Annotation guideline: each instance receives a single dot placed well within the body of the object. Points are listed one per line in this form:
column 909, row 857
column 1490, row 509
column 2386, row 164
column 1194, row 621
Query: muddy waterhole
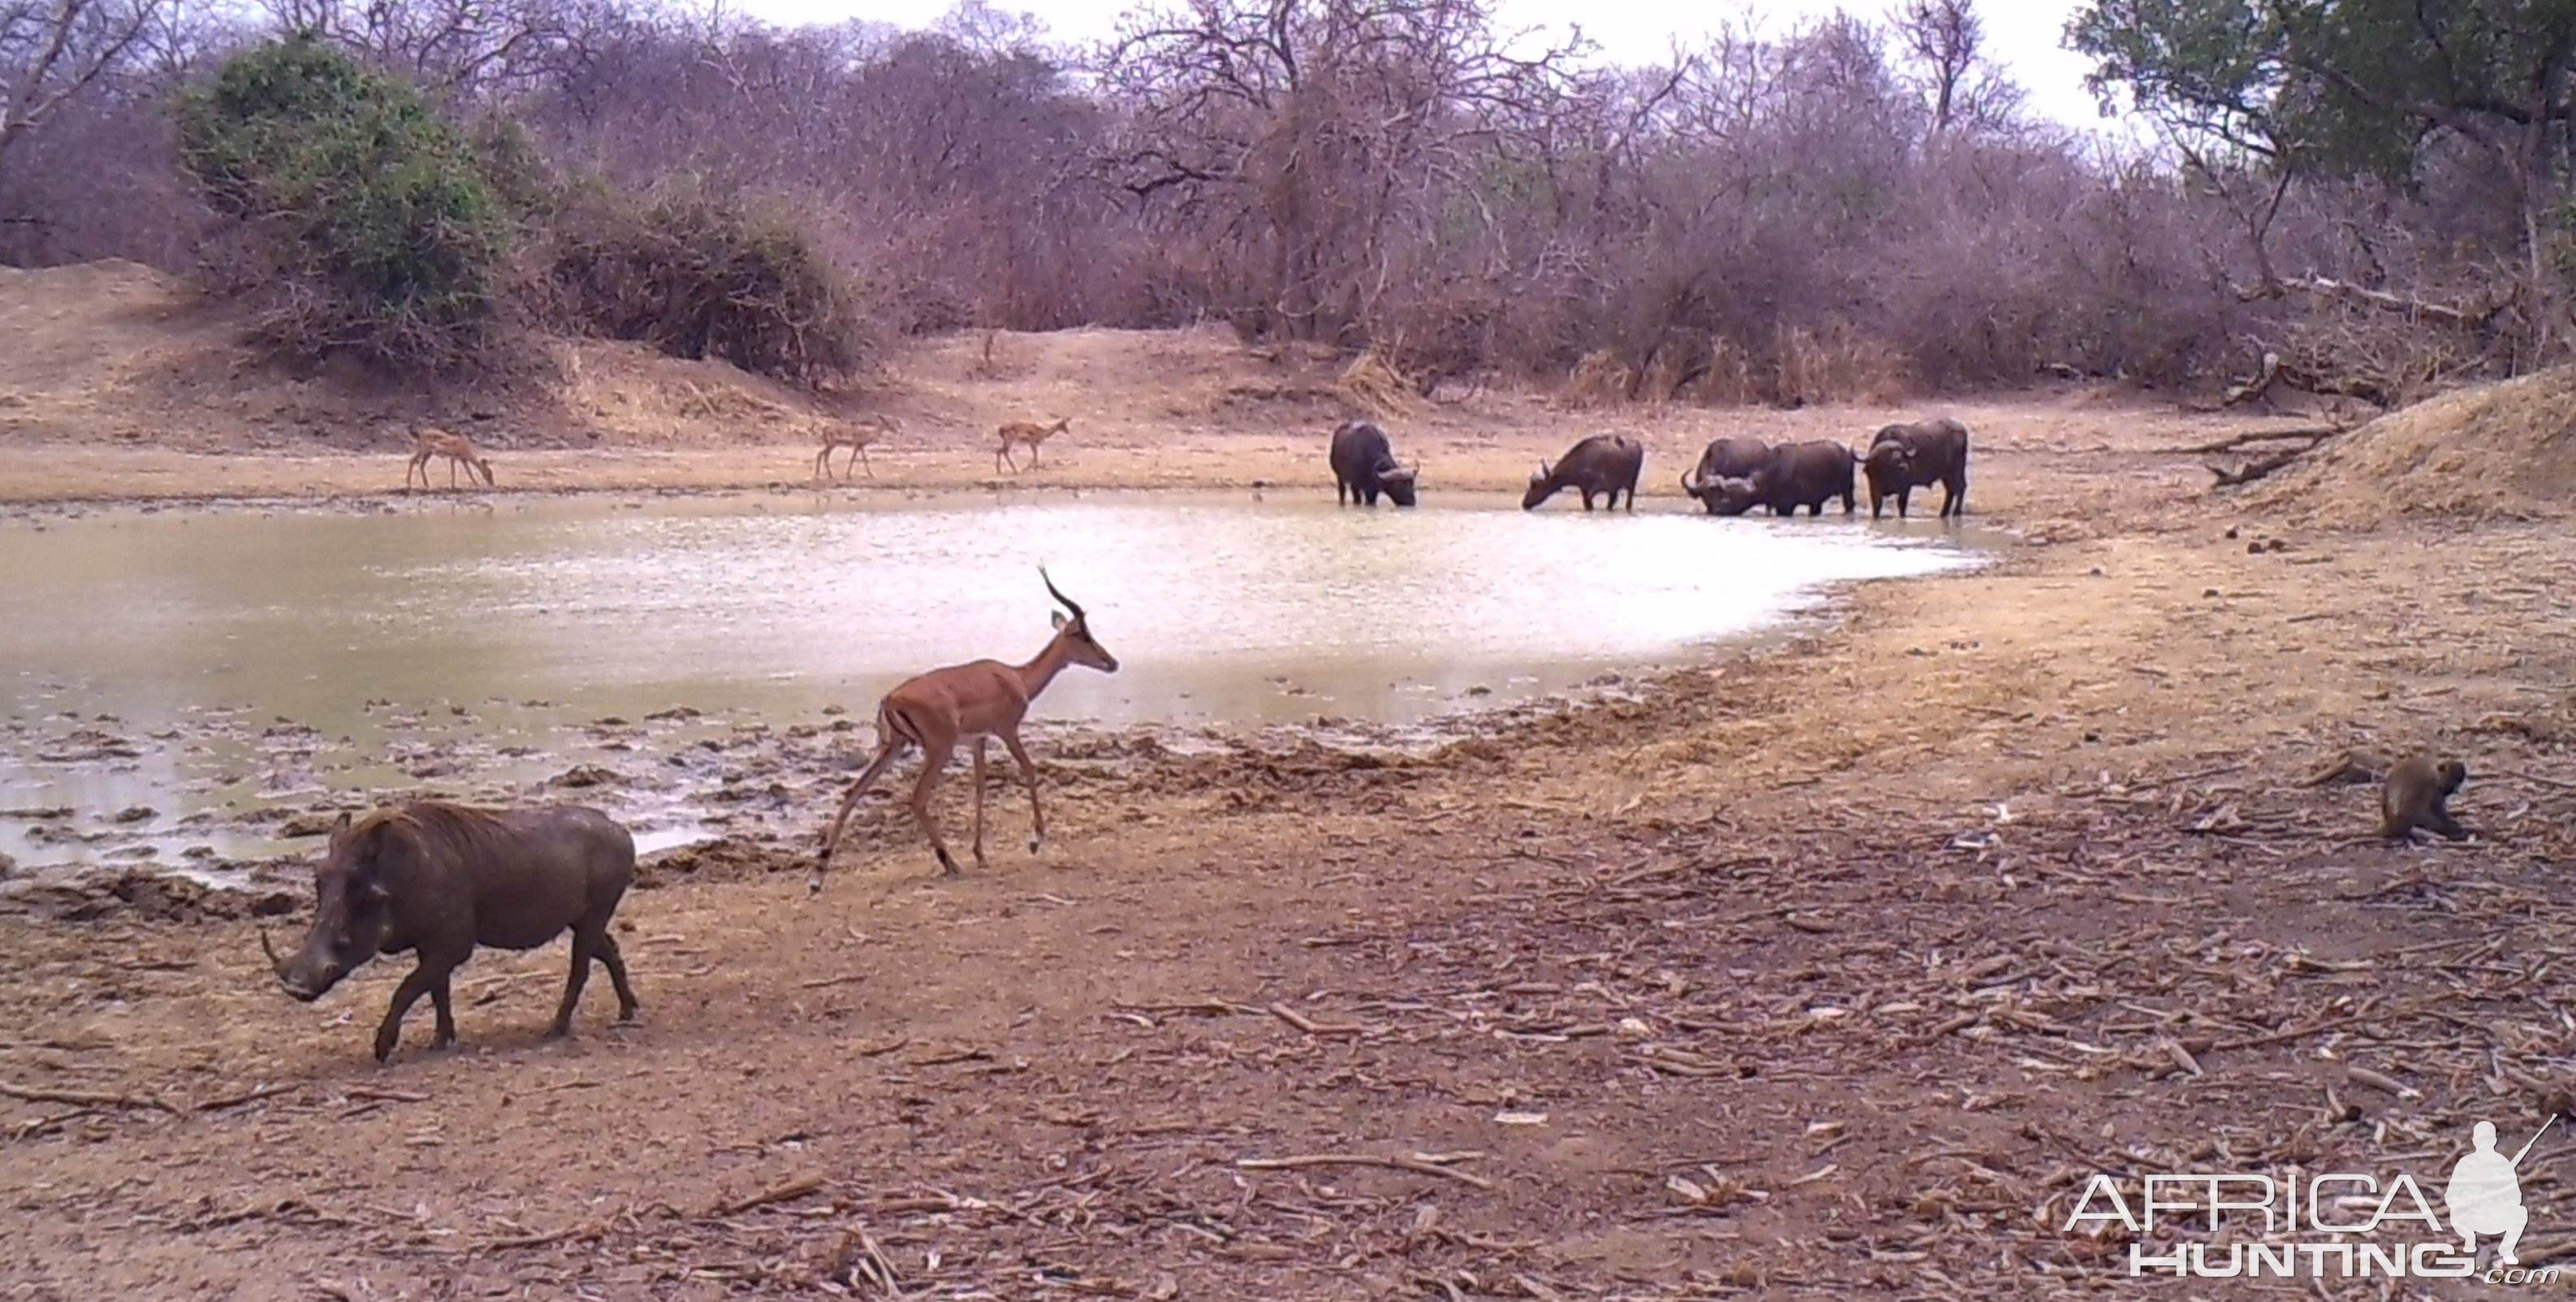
column 178, row 681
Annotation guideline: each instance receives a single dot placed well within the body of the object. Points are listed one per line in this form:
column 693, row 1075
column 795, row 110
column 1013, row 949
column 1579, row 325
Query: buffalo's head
column 1541, row 485
column 1397, row 482
column 1889, row 460
column 1730, row 495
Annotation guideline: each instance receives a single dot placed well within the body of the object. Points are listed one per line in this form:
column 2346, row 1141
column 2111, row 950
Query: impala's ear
column 1059, row 618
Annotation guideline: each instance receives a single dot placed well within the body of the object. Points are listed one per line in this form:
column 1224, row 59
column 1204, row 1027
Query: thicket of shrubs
column 362, row 224
column 704, row 275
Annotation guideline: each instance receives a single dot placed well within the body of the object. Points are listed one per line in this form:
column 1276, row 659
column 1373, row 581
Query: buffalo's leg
column 418, row 983
column 438, row 1002
column 585, row 942
column 1028, row 775
column 606, row 952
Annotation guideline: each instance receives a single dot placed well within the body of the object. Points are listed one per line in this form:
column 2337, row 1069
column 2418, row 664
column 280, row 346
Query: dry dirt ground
column 1829, row 970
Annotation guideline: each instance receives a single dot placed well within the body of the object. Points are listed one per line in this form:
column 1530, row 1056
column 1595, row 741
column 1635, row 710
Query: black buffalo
column 1603, row 463
column 1364, row 466
column 1903, row 458
column 1793, row 475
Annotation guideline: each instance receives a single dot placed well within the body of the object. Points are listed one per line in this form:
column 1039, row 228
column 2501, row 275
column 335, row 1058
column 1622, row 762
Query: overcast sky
column 2023, row 35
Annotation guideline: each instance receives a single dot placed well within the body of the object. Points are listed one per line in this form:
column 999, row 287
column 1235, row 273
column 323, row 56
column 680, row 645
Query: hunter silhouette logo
column 2323, row 1224
column 2485, row 1193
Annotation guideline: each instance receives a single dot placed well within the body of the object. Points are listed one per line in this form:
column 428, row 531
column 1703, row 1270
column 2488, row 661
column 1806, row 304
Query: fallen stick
column 1311, row 1027
column 2294, row 1033
column 85, row 1098
column 788, row 1192
column 591, row 1231
column 818, row 983
column 384, row 1095
column 1414, row 1164
column 2312, row 433
column 253, row 1095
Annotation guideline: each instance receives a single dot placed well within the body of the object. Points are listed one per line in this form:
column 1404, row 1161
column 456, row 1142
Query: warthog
column 438, row 879
column 1727, row 458
column 1364, row 466
column 1793, row 475
column 1903, row 458
column 1603, row 463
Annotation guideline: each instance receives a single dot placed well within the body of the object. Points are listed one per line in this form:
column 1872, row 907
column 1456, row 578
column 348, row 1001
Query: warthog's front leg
column 438, row 1001
column 418, row 983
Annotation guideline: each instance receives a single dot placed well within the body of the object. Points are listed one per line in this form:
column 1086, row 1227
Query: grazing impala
column 854, row 435
column 430, row 441
column 980, row 699
column 1020, row 431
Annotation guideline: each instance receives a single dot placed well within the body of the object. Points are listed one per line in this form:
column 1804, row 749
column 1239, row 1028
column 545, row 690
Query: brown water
column 207, row 663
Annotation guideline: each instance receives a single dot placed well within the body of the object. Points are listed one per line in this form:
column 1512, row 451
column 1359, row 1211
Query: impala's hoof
column 1033, row 845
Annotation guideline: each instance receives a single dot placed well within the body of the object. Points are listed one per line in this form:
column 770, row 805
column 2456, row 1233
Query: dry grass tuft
column 1374, row 385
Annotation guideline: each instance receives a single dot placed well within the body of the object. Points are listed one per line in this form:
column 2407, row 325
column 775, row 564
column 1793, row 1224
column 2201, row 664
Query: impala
column 980, row 699
column 1021, row 431
column 429, row 441
column 854, row 435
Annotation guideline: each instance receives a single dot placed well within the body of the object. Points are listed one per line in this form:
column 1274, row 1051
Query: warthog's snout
column 289, row 975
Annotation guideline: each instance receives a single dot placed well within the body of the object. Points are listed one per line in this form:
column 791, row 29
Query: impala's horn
column 1069, row 603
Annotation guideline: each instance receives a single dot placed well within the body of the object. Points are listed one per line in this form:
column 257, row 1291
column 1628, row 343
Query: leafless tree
column 1946, row 40
column 52, row 50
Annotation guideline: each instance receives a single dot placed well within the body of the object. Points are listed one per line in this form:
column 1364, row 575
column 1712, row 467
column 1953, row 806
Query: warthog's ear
column 340, row 827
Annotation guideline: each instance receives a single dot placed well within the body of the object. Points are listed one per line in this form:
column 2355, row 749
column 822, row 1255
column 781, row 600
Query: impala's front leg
column 1029, row 775
column 934, row 760
column 979, row 801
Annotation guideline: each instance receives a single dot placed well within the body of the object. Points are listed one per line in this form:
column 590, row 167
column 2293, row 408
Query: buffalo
column 1603, row 463
column 1726, row 458
column 1792, row 475
column 437, row 879
column 1364, row 466
column 1903, row 458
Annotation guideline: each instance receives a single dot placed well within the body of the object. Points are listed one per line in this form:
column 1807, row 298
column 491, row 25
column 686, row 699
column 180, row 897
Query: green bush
column 370, row 226
column 700, row 275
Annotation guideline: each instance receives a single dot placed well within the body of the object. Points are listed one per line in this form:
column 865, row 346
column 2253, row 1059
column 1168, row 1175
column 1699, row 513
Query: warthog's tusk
column 274, row 963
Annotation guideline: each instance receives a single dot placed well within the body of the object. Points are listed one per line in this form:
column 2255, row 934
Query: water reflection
column 1220, row 608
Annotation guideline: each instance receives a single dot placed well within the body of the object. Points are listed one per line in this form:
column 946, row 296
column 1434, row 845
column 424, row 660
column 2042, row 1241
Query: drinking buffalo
column 1728, row 458
column 1791, row 476
column 1364, row 466
column 1903, row 458
column 1603, row 463
column 438, row 879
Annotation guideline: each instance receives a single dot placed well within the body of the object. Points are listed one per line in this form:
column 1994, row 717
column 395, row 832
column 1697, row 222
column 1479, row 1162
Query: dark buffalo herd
column 1733, row 475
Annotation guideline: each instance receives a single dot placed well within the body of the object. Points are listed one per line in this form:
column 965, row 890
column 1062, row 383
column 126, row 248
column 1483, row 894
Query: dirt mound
column 2503, row 450
column 115, row 352
column 1113, row 385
